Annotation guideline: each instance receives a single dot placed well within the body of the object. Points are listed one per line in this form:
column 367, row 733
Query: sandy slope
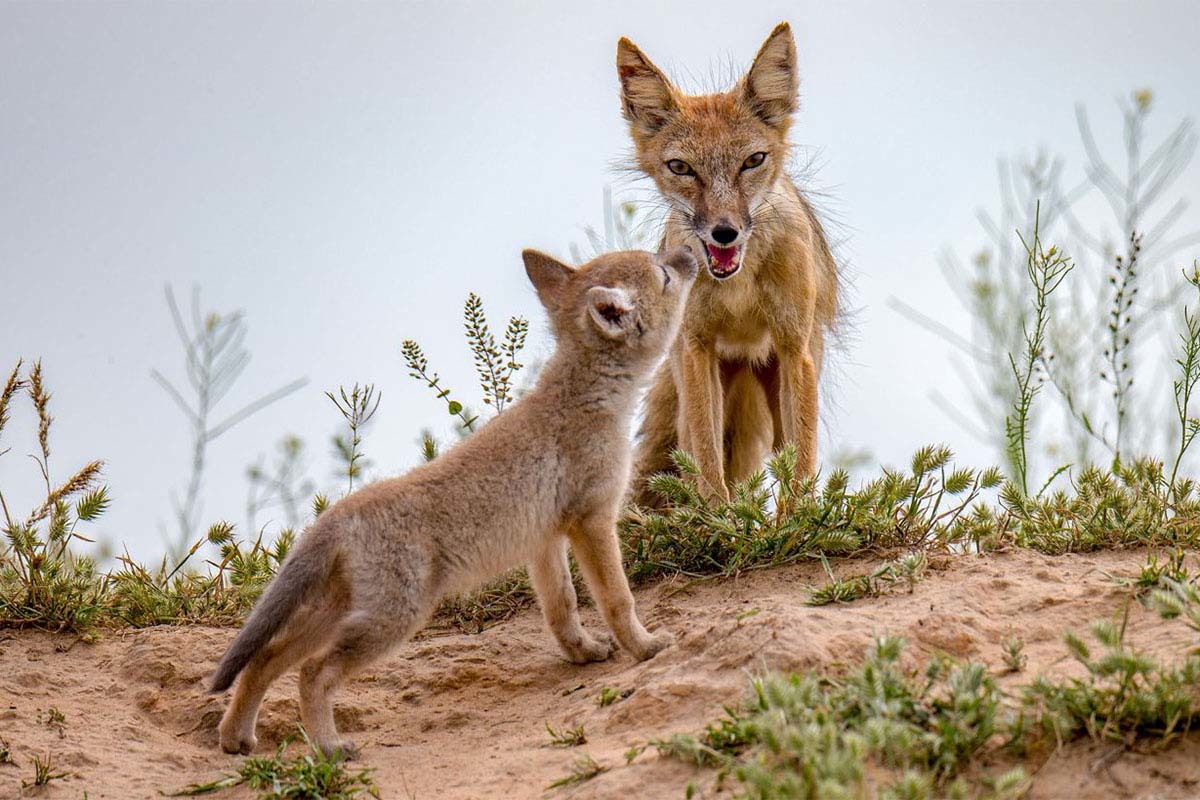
column 457, row 716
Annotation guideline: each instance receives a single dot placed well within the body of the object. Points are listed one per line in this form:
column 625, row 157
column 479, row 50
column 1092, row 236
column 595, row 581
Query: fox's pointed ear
column 611, row 310
column 547, row 274
column 772, row 85
column 648, row 100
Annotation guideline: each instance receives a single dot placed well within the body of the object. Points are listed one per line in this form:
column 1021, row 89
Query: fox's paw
column 340, row 750
column 236, row 743
column 591, row 648
column 655, row 643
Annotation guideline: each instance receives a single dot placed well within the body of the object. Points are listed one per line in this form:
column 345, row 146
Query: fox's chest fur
column 746, row 336
column 786, row 286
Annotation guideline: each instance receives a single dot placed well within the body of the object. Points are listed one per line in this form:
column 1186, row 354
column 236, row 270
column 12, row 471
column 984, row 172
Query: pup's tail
column 656, row 437
column 300, row 574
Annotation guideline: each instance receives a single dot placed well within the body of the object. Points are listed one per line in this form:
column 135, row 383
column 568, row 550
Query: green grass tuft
column 310, row 776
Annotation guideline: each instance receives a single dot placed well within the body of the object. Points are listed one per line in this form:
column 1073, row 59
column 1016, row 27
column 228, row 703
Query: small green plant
column 582, row 770
column 55, row 719
column 357, row 407
column 839, row 590
column 610, row 694
column 43, row 772
column 6, row 756
column 1126, row 694
column 1156, row 573
column 1179, row 600
column 418, row 367
column 309, row 776
column 1014, row 653
column 1046, row 269
column 1184, row 384
column 496, row 365
column 567, row 737
column 907, row 569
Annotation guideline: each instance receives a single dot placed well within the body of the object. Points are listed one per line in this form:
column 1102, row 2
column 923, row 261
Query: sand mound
column 461, row 716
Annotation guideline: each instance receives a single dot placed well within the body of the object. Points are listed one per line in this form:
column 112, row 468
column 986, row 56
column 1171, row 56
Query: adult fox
column 741, row 378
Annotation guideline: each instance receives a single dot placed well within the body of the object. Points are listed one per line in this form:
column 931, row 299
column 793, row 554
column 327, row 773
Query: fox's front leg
column 701, row 414
column 598, row 553
column 551, row 577
column 798, row 381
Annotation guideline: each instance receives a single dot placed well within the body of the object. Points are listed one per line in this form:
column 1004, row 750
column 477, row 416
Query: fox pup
column 548, row 472
column 741, row 380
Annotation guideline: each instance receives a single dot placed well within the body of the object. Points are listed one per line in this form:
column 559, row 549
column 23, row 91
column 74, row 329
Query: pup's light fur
column 548, row 472
column 742, row 378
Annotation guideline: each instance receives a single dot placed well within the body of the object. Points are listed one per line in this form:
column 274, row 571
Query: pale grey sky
column 346, row 173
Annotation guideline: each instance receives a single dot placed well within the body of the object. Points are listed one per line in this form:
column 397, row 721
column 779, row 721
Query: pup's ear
column 647, row 98
column 771, row 86
column 681, row 259
column 611, row 309
column 547, row 274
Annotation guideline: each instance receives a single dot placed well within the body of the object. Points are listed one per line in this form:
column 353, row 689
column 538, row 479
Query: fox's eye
column 666, row 277
column 753, row 161
column 680, row 167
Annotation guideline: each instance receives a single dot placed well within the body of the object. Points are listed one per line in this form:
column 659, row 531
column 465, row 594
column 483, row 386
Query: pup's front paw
column 237, row 743
column 654, row 644
column 591, row 648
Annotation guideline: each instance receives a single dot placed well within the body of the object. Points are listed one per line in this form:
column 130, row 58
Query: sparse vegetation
column 907, row 569
column 308, row 776
column 818, row 734
column 1100, row 357
column 812, row 735
column 567, row 737
column 1126, row 694
column 611, row 694
column 1014, row 653
column 43, row 772
column 583, row 769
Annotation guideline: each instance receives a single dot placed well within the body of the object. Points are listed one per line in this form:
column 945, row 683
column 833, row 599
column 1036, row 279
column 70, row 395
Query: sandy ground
column 463, row 716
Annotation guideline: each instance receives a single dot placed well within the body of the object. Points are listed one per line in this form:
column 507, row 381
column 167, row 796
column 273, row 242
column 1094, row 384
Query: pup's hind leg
column 300, row 639
column 361, row 640
column 599, row 555
column 551, row 577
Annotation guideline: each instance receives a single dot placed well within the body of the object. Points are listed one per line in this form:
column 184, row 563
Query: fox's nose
column 723, row 234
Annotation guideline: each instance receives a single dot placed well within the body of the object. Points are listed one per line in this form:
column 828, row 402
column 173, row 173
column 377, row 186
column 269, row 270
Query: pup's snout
column 724, row 234
column 681, row 259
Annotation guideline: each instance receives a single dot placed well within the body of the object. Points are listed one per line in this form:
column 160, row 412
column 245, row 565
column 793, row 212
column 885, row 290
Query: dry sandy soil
column 463, row 716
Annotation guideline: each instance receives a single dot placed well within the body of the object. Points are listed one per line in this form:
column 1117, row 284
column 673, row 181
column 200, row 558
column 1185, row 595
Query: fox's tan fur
column 547, row 473
column 742, row 377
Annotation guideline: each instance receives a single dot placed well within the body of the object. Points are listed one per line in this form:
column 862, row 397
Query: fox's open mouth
column 723, row 261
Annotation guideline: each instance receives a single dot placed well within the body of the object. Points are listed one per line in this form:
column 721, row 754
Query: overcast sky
column 347, row 173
